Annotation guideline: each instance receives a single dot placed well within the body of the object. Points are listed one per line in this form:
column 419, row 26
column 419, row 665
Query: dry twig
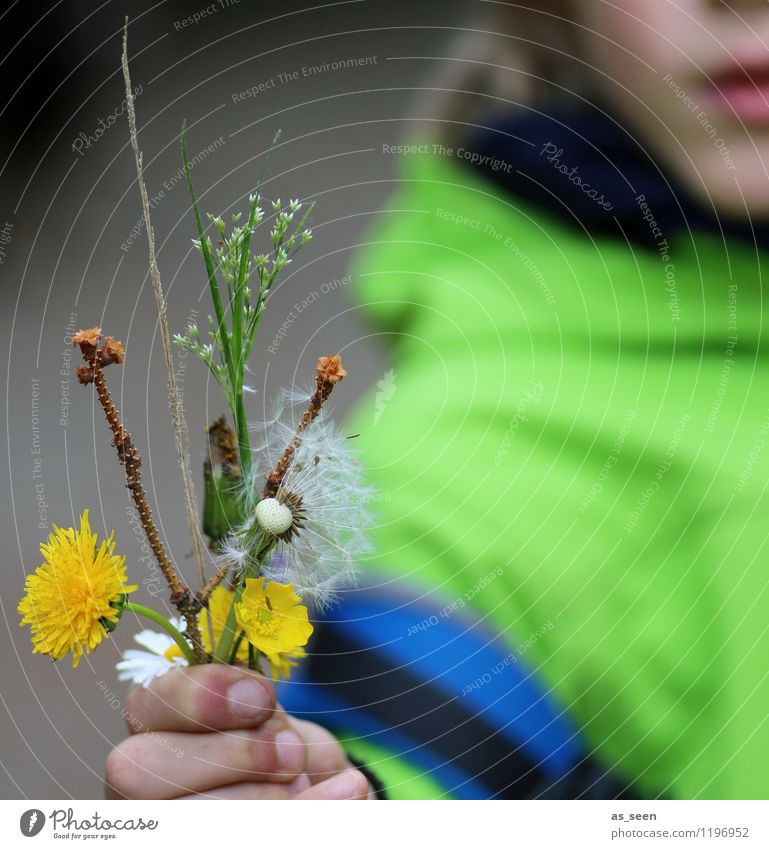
column 181, row 433
column 329, row 371
column 97, row 358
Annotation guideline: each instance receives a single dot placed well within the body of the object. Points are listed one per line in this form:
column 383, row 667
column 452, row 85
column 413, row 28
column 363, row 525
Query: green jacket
column 592, row 418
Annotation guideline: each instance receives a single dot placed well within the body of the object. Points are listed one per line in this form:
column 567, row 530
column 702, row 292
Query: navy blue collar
column 582, row 166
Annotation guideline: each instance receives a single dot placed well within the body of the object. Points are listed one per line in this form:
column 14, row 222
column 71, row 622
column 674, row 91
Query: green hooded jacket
column 589, row 416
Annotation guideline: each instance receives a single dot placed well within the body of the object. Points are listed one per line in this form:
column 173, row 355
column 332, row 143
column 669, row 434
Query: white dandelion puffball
column 274, row 517
column 324, row 493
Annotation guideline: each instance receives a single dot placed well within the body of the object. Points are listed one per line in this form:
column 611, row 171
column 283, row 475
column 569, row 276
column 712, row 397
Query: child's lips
column 743, row 93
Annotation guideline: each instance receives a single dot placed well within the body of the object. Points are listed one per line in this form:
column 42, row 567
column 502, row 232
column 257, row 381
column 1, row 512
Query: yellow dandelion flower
column 282, row 664
column 72, row 599
column 273, row 617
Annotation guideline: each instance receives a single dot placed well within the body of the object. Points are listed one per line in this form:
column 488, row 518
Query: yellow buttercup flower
column 281, row 663
column 273, row 617
column 73, row 598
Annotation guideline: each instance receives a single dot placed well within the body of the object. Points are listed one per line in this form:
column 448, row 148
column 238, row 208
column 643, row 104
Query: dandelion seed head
column 324, row 490
column 274, row 516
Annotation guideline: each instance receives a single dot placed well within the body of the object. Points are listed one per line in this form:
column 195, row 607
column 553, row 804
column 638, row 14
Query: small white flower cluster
column 232, row 260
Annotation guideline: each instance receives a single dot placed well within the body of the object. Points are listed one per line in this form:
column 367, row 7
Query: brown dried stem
column 329, row 371
column 221, row 573
column 96, row 359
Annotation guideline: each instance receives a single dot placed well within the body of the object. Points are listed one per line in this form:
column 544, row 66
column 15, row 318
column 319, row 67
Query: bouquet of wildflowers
column 282, row 498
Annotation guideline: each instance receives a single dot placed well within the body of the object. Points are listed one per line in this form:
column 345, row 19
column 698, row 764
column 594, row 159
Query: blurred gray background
column 69, row 204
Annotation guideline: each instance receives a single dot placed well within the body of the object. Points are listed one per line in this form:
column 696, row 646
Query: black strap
column 376, row 783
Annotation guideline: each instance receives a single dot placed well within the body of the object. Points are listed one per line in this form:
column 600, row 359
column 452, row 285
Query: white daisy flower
column 142, row 667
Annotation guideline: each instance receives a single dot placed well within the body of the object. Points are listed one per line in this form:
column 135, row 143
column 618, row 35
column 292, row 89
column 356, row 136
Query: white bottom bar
column 394, row 825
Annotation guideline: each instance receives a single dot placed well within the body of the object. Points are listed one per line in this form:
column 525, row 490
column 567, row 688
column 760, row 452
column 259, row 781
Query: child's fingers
column 325, row 756
column 350, row 784
column 209, row 697
column 164, row 766
column 255, row 790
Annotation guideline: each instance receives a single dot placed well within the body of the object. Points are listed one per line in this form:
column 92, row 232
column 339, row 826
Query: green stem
column 224, row 647
column 159, row 619
column 236, row 647
column 238, row 347
column 233, row 359
column 230, row 630
column 244, row 446
column 208, row 259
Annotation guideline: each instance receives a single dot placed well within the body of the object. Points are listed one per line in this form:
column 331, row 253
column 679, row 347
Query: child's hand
column 215, row 731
